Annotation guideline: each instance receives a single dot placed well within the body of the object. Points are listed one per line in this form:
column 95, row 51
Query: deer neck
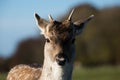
column 52, row 71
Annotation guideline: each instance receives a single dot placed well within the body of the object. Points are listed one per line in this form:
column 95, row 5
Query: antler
column 69, row 18
column 50, row 18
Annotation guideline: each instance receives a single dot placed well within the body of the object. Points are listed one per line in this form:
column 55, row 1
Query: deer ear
column 80, row 25
column 40, row 22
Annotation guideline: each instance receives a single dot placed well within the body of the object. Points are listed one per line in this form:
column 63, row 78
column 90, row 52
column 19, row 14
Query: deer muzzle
column 61, row 59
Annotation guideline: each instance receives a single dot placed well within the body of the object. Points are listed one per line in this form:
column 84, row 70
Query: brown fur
column 28, row 73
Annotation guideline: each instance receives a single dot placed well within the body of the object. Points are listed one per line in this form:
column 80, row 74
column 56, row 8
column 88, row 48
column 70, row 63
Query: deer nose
column 61, row 59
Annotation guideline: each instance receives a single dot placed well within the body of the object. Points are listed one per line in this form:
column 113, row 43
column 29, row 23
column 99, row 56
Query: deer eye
column 73, row 41
column 47, row 40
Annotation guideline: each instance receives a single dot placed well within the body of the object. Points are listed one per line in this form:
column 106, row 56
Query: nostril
column 60, row 59
column 60, row 55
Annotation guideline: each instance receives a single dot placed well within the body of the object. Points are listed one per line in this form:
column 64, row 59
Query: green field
column 2, row 76
column 98, row 73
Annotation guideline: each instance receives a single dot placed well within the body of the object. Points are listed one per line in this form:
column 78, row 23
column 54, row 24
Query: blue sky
column 17, row 20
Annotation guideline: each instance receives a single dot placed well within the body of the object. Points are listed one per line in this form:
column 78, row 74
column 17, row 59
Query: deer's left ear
column 80, row 25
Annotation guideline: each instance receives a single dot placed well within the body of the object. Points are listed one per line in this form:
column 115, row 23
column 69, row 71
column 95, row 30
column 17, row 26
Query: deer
column 59, row 50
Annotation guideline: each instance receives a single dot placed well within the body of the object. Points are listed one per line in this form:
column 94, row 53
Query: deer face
column 60, row 38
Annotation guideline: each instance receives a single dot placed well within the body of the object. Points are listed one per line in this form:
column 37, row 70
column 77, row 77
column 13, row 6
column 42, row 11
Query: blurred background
column 98, row 47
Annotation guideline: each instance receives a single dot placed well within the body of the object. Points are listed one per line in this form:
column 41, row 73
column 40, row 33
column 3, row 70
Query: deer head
column 60, row 37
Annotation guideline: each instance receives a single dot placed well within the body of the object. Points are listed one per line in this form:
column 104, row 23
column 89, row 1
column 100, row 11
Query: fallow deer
column 59, row 51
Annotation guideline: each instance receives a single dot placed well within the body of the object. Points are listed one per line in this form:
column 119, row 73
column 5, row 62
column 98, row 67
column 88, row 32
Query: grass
column 3, row 76
column 97, row 73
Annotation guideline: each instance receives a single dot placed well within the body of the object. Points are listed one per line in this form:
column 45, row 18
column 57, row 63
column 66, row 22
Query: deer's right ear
column 80, row 25
column 40, row 22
